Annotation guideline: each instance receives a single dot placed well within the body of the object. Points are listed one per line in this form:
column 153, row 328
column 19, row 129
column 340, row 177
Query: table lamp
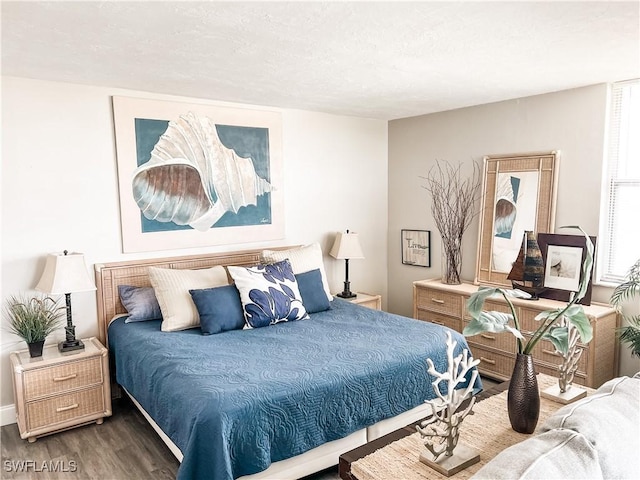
column 346, row 246
column 66, row 273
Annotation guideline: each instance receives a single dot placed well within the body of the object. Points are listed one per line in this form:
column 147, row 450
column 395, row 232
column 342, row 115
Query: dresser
column 59, row 391
column 445, row 305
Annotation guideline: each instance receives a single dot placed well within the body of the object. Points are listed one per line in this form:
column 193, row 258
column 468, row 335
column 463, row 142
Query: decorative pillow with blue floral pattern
column 269, row 294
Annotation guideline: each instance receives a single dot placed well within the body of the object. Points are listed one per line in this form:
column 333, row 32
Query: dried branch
column 453, row 200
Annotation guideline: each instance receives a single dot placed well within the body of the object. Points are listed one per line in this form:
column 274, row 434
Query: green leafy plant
column 622, row 293
column 33, row 318
column 498, row 322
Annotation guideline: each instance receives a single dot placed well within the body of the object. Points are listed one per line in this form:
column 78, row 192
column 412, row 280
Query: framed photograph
column 518, row 195
column 416, row 247
column 563, row 256
column 196, row 175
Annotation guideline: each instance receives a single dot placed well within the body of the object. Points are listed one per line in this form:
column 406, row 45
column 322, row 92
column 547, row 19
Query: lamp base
column 346, row 295
column 70, row 345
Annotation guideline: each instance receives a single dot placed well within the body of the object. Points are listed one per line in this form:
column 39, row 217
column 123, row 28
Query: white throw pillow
column 172, row 291
column 303, row 259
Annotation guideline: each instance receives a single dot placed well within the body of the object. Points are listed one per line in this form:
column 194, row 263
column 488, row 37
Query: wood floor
column 123, row 447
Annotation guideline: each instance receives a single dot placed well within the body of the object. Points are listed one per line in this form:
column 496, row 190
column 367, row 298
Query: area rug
column 488, row 430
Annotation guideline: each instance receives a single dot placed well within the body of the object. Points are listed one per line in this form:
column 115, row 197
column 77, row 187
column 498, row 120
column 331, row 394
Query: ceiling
column 382, row 60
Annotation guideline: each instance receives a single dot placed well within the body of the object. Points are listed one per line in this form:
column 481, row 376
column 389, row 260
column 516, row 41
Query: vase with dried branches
column 453, row 199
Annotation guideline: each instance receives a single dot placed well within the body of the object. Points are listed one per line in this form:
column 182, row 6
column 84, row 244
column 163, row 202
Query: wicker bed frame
column 134, row 272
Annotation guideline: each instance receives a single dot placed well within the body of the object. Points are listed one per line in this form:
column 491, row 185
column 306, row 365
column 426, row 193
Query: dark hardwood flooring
column 125, row 446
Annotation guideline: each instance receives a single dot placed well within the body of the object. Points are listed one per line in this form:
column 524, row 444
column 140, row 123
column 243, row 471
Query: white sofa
column 597, row 437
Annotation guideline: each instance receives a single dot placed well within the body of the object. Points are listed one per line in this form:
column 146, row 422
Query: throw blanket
column 236, row 401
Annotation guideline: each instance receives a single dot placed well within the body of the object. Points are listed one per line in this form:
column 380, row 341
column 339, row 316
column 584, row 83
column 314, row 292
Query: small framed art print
column 416, row 247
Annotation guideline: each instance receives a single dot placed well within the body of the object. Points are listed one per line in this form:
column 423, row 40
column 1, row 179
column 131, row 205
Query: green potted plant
column 33, row 319
column 629, row 334
column 523, row 399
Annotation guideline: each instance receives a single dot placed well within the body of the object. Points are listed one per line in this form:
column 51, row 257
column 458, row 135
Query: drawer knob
column 550, row 352
column 437, row 323
column 62, row 379
column 487, row 360
column 437, row 300
column 68, row 407
column 488, row 337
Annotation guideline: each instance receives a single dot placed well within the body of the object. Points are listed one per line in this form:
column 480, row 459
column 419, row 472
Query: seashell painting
column 193, row 179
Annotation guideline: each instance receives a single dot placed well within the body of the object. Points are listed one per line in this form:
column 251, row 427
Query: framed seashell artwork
column 194, row 175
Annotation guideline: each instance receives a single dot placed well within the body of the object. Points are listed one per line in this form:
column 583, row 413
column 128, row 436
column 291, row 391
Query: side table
column 367, row 300
column 58, row 391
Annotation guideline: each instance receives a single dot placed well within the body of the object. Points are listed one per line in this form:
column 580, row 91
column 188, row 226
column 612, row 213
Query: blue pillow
column 141, row 303
column 311, row 288
column 269, row 294
column 219, row 309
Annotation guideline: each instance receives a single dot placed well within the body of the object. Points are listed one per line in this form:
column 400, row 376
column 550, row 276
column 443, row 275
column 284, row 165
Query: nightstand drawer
column 61, row 378
column 62, row 408
column 438, row 301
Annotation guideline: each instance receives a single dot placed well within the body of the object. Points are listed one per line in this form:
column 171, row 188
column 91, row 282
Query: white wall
column 59, row 190
column 572, row 121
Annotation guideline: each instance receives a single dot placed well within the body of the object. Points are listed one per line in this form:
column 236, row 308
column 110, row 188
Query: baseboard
column 7, row 415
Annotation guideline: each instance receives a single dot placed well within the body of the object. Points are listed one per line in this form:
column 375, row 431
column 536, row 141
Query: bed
column 277, row 402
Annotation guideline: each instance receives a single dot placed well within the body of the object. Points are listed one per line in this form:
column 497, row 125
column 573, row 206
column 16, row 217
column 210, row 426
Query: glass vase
column 451, row 267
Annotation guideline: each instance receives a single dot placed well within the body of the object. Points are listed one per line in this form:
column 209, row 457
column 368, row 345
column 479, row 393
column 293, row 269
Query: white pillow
column 172, row 291
column 303, row 259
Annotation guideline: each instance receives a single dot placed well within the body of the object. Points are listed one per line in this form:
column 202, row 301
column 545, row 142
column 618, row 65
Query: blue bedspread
column 237, row 401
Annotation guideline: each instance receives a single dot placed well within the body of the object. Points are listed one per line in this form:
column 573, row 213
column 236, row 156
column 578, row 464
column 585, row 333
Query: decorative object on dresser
column 66, row 273
column 33, row 319
column 440, row 432
column 416, row 247
column 523, row 399
column 563, row 255
column 452, row 206
column 346, row 247
column 518, row 194
column 630, row 288
column 60, row 391
column 527, row 273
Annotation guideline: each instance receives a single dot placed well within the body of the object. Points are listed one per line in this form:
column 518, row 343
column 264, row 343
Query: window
column 620, row 218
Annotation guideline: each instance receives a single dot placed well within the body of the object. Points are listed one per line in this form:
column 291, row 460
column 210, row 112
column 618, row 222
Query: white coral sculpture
column 440, row 432
column 569, row 365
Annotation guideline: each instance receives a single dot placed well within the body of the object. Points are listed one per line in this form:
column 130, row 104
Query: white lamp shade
column 346, row 246
column 65, row 274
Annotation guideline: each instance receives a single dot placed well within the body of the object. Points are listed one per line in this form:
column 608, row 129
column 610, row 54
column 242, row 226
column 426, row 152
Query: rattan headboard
column 134, row 272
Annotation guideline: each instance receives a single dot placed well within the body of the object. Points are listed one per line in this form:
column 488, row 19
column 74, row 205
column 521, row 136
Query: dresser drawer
column 61, row 378
column 544, row 351
column 492, row 362
column 64, row 407
column 490, row 306
column 438, row 301
column 579, row 377
column 439, row 319
column 504, row 341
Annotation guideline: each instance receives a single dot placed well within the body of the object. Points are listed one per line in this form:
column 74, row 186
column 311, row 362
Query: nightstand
column 367, row 300
column 58, row 391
